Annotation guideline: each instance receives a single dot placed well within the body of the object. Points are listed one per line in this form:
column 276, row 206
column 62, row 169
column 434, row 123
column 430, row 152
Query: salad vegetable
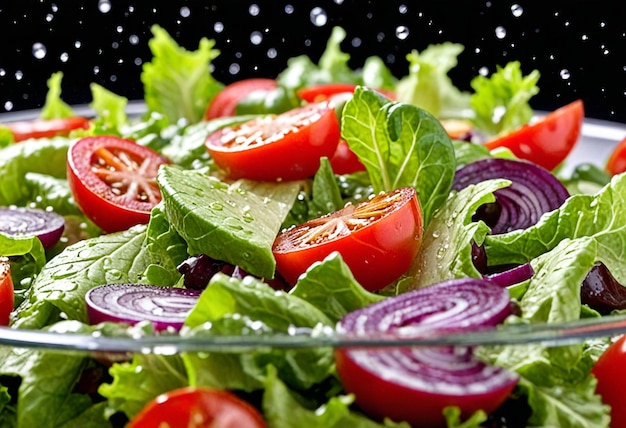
column 203, row 203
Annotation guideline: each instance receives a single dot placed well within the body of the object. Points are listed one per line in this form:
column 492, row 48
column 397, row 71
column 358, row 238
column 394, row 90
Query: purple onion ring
column 48, row 226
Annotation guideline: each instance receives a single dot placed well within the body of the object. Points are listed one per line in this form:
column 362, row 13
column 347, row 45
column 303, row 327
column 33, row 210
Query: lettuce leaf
column 110, row 110
column 177, row 82
column 500, row 102
column 400, row 145
column 54, row 107
column 427, row 84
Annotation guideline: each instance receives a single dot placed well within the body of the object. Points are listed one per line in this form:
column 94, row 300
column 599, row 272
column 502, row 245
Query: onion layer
column 533, row 192
column 48, row 226
column 165, row 307
column 416, row 384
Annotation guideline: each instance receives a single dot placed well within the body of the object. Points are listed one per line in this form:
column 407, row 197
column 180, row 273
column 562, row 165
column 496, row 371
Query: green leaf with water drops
column 235, row 223
column 61, row 286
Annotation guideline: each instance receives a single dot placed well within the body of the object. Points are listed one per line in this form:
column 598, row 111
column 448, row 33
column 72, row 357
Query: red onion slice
column 48, row 226
column 533, row 192
column 165, row 307
column 418, row 383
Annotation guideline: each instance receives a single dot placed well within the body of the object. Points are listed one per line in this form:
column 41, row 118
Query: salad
column 325, row 201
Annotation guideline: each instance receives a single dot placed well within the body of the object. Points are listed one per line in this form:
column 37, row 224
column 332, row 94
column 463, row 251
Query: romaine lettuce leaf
column 400, row 145
column 226, row 222
column 54, row 107
column 110, row 110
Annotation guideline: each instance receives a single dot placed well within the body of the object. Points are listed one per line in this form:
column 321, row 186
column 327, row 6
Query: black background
column 578, row 46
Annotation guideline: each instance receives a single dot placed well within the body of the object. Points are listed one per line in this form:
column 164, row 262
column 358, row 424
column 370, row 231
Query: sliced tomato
column 225, row 102
column 550, row 140
column 345, row 161
column 196, row 407
column 113, row 181
column 610, row 371
column 46, row 128
column 287, row 146
column 378, row 239
column 617, row 161
column 325, row 91
column 6, row 291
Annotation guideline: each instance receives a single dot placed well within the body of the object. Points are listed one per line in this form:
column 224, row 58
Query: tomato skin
column 225, row 102
column 616, row 163
column 377, row 253
column 197, row 407
column 46, row 128
column 550, row 140
column 381, row 399
column 345, row 161
column 95, row 197
column 324, row 91
column 6, row 291
column 289, row 146
column 610, row 371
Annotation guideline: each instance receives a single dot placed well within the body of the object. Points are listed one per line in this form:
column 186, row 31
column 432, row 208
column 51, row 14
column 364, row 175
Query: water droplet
column 584, row 37
column 402, row 32
column 517, row 10
column 436, row 234
column 19, row 75
column 3, row 72
column 185, row 12
column 254, row 10
column 318, row 17
column 133, row 39
column 565, row 74
column 104, row 6
column 78, row 44
column 272, row 53
column 246, row 255
column 39, row 50
column 256, row 37
column 289, row 9
column 49, row 17
column 218, row 27
column 138, row 61
column 483, row 71
column 96, row 70
column 64, row 57
column 8, row 106
column 403, row 9
column 234, row 68
column 500, row 32
column 216, row 206
column 119, row 29
column 356, row 42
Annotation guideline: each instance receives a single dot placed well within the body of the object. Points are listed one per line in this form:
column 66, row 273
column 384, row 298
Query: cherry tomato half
column 617, row 161
column 287, row 146
column 345, row 161
column 610, row 371
column 378, row 239
column 324, row 91
column 6, row 291
column 225, row 102
column 195, row 407
column 113, row 181
column 46, row 128
column 550, row 140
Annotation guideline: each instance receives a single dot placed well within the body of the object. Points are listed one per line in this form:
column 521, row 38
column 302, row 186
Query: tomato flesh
column 287, row 146
column 616, row 163
column 46, row 128
column 610, row 371
column 113, row 181
column 325, row 91
column 195, row 407
column 6, row 291
column 378, row 239
column 225, row 102
column 550, row 140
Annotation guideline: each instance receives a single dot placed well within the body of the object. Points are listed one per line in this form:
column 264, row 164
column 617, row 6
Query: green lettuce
column 110, row 110
column 500, row 102
column 400, row 145
column 177, row 82
column 54, row 106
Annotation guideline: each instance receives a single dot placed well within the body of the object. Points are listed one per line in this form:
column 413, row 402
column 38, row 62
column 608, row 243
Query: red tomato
column 617, row 161
column 113, row 181
column 549, row 141
column 46, row 128
column 287, row 146
column 345, row 161
column 381, row 398
column 610, row 370
column 324, row 91
column 225, row 102
column 195, row 407
column 6, row 291
column 378, row 239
